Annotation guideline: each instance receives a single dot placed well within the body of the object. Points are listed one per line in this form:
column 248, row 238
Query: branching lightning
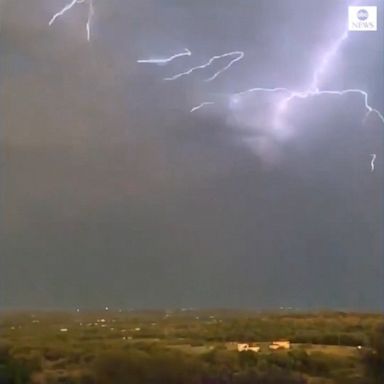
column 283, row 105
column 239, row 55
column 287, row 95
column 313, row 90
column 314, row 87
column 69, row 6
column 63, row 11
column 186, row 52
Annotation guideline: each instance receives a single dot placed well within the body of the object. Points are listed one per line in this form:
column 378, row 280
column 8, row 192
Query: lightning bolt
column 306, row 94
column 64, row 10
column 313, row 88
column 202, row 105
column 373, row 159
column 325, row 60
column 260, row 89
column 91, row 12
column 239, row 55
column 186, row 52
column 69, row 6
column 320, row 71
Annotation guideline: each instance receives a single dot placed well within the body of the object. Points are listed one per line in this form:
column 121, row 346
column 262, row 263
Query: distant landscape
column 191, row 192
column 190, row 346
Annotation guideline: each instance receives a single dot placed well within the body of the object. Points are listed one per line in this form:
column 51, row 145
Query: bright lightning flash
column 239, row 55
column 373, row 160
column 64, row 10
column 69, row 6
column 314, row 87
column 312, row 90
column 91, row 12
column 186, row 52
column 201, row 105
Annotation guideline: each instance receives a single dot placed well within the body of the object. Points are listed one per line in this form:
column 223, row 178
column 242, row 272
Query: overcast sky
column 113, row 193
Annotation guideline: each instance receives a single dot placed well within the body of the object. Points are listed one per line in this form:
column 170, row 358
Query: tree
column 374, row 359
column 12, row 370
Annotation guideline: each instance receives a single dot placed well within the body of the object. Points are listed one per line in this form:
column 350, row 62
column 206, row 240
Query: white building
column 247, row 347
column 280, row 345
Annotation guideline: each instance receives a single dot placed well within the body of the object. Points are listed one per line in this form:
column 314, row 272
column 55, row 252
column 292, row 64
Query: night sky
column 113, row 193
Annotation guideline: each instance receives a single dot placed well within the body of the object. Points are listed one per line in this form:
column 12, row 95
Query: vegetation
column 374, row 357
column 197, row 347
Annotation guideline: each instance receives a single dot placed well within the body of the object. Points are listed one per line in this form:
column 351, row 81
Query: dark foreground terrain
column 190, row 346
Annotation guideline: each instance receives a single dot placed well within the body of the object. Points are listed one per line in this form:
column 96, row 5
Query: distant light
column 234, row 100
column 63, row 329
column 106, row 308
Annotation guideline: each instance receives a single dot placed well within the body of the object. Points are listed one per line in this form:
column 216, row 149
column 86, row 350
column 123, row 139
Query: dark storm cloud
column 112, row 193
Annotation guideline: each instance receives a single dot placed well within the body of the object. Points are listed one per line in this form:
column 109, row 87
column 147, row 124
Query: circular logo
column 362, row 14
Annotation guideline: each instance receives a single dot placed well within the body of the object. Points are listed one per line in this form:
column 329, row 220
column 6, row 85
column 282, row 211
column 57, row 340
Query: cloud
column 108, row 180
